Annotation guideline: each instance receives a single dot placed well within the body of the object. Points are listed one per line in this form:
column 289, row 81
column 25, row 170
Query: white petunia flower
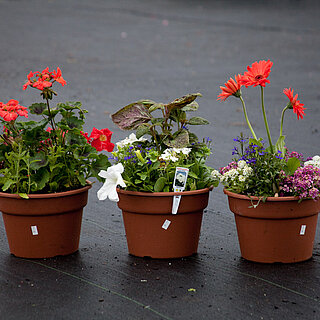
column 129, row 140
column 113, row 179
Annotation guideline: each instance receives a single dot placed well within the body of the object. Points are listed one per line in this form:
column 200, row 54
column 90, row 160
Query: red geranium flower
column 101, row 139
column 296, row 105
column 12, row 110
column 232, row 87
column 257, row 74
column 85, row 134
column 57, row 75
column 44, row 79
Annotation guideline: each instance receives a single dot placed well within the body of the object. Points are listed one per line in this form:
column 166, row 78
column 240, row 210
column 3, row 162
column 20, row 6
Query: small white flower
column 186, row 151
column 314, row 162
column 242, row 178
column 129, row 140
column 113, row 179
column 216, row 174
column 241, row 164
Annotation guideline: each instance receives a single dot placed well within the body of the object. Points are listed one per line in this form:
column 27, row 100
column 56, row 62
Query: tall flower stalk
column 266, row 120
column 257, row 75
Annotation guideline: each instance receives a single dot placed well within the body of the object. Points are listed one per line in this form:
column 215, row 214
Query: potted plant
column 163, row 181
column 273, row 193
column 44, row 167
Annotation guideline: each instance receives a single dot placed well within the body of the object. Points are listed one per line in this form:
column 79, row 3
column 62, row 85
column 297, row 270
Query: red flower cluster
column 44, row 79
column 11, row 110
column 295, row 103
column 100, row 139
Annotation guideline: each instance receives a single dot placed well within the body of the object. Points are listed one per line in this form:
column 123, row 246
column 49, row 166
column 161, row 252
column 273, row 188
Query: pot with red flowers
column 273, row 192
column 45, row 165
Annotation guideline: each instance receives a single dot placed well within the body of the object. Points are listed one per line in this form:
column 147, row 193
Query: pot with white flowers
column 273, row 193
column 44, row 167
column 162, row 184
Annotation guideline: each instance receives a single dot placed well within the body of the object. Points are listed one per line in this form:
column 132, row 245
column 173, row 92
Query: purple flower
column 304, row 183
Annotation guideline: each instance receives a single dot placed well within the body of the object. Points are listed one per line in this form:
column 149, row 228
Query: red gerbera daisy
column 257, row 74
column 296, row 105
column 232, row 87
column 101, row 139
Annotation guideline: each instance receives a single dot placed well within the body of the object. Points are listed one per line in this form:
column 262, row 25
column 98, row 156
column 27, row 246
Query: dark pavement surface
column 114, row 52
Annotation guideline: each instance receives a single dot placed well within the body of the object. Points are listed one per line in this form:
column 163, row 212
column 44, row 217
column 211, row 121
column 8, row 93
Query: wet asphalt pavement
column 115, row 52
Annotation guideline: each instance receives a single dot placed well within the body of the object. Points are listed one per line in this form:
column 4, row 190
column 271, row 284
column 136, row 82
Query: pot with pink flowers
column 44, row 167
column 273, row 193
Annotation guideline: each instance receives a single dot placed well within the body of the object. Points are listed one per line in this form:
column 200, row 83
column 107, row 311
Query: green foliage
column 37, row 160
column 166, row 130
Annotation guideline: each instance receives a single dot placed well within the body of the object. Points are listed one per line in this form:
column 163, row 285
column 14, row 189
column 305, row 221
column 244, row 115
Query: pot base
column 279, row 230
column 153, row 231
column 45, row 225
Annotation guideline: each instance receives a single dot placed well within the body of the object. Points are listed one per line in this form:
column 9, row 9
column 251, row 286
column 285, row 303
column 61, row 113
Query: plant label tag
column 303, row 229
column 179, row 184
column 166, row 224
column 34, row 230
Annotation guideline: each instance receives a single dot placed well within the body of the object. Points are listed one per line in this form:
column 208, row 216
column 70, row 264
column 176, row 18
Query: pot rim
column 164, row 194
column 48, row 195
column 246, row 197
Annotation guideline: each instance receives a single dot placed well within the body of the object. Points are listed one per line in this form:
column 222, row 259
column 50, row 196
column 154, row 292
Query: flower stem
column 50, row 115
column 282, row 117
column 265, row 120
column 247, row 119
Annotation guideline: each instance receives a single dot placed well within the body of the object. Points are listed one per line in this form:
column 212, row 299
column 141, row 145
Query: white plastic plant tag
column 34, row 230
column 303, row 229
column 166, row 224
column 179, row 184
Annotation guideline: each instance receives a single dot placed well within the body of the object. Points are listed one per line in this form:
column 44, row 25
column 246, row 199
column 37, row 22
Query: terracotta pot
column 45, row 225
column 148, row 233
column 278, row 230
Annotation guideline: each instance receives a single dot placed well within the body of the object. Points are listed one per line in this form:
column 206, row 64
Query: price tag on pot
column 166, row 224
column 303, row 229
column 179, row 184
column 34, row 230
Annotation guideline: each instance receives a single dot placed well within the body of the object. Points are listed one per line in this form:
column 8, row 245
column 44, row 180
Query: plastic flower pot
column 45, row 225
column 278, row 230
column 153, row 231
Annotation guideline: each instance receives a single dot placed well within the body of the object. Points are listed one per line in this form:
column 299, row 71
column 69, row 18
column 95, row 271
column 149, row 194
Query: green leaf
column 156, row 106
column 131, row 116
column 292, row 165
column 37, row 108
column 157, row 121
column 160, row 183
column 7, row 185
column 38, row 161
column 279, row 146
column 193, row 175
column 193, row 106
column 197, row 121
column 255, row 141
column 183, row 101
column 142, row 130
column 143, row 176
column 148, row 103
column 74, row 122
column 23, row 195
column 180, row 140
column 41, row 178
